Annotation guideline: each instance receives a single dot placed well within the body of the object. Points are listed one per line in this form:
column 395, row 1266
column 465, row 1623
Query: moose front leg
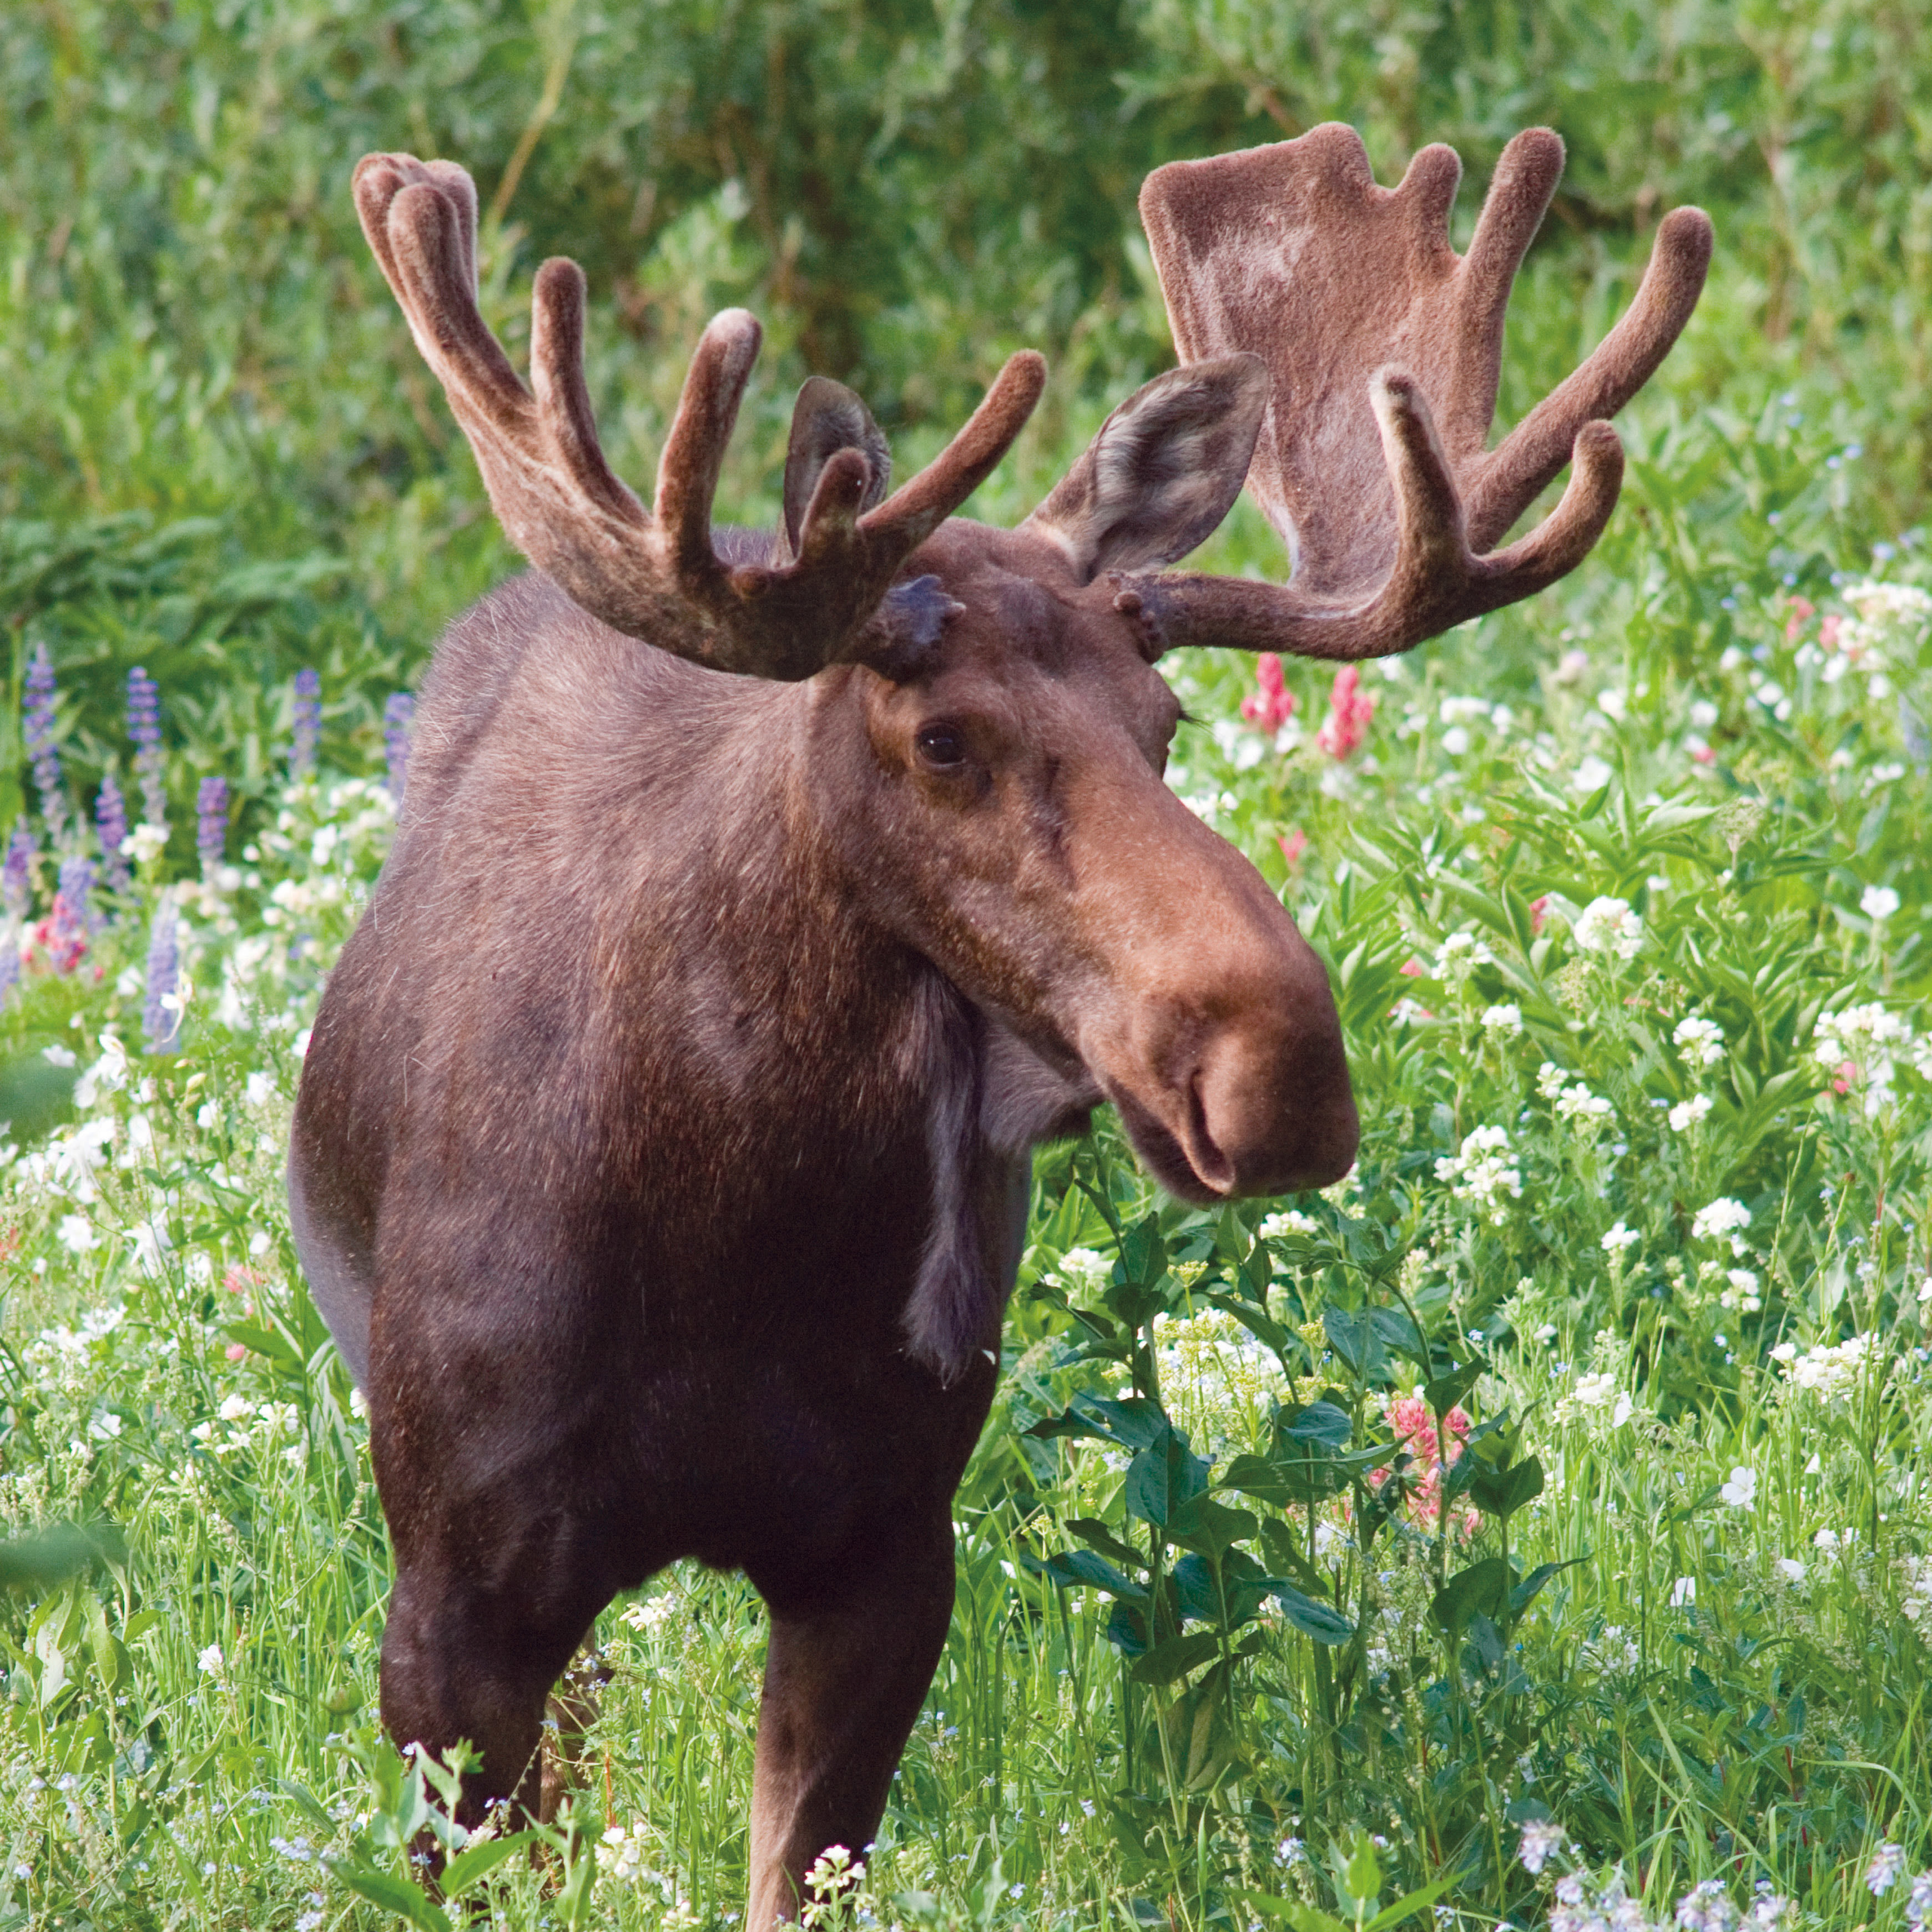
column 845, row 1675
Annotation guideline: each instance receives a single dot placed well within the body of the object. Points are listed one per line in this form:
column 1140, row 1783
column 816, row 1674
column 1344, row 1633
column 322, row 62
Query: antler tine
column 655, row 575
column 1385, row 352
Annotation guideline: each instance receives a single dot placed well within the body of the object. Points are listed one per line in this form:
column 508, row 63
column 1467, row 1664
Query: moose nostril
column 1204, row 1151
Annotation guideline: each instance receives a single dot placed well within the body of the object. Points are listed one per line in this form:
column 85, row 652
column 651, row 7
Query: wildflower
column 1608, row 926
column 1481, row 1173
column 1081, row 1268
column 1706, row 1908
column 1271, row 704
column 1615, row 1653
column 37, row 731
column 210, row 822
column 1507, row 1018
column 144, row 726
column 1741, row 1293
column 307, row 723
column 1576, row 1103
column 145, row 843
column 1887, row 1867
column 1690, row 1113
column 1539, row 911
column 399, row 717
column 1542, row 1839
column 1683, row 1593
column 161, row 1015
column 1859, row 1043
column 1592, row 774
column 1291, row 1852
column 1292, row 1221
column 1830, row 1370
column 16, row 880
column 235, row 1409
column 1790, row 1569
column 1741, row 1492
column 1723, row 1216
column 1618, row 1238
column 76, row 1235
column 1700, row 1041
column 110, row 821
column 1459, row 954
column 212, row 1662
column 1878, row 903
column 1918, row 1901
column 1294, row 843
column 1349, row 712
column 1593, row 1392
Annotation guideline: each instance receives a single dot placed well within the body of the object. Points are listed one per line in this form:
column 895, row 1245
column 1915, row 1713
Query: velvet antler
column 654, row 575
column 1384, row 349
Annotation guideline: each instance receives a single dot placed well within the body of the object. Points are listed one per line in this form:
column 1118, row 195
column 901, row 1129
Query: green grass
column 221, row 461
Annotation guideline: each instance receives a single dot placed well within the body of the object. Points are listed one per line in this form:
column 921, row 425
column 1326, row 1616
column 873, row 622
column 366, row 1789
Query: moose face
column 1003, row 812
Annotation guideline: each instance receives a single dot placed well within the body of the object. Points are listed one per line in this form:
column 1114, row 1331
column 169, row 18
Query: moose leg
column 459, row 1661
column 845, row 1674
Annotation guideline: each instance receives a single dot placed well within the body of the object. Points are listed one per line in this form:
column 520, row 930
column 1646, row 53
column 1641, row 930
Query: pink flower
column 1293, row 844
column 1538, row 910
column 1349, row 711
column 1415, row 1427
column 1846, row 1077
column 1801, row 610
column 234, row 1351
column 1271, row 706
column 1411, row 969
column 1705, row 754
column 1827, row 632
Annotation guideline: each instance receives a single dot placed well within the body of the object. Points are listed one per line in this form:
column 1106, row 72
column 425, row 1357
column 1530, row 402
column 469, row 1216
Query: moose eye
column 941, row 746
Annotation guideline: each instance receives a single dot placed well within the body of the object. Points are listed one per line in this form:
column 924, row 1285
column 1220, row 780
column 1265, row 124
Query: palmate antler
column 1385, row 348
column 655, row 575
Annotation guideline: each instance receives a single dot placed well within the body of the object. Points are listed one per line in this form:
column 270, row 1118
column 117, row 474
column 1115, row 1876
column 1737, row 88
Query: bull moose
column 759, row 902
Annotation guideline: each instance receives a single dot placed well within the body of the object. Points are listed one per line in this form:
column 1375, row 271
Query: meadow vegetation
column 1529, row 1529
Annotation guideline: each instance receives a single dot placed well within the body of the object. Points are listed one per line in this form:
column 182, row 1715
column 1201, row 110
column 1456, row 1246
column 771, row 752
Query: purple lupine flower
column 210, row 822
column 77, row 878
column 17, row 879
column 110, row 821
column 307, row 723
column 399, row 717
column 38, row 730
column 162, row 1023
column 144, row 726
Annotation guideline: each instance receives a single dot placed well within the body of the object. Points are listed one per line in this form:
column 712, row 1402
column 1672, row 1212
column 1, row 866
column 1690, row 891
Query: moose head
column 813, row 936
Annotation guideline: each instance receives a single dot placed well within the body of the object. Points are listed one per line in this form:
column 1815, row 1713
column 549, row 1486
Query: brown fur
column 660, row 1162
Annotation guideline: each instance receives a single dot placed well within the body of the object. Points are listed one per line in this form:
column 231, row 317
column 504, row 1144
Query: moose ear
column 828, row 418
column 1164, row 470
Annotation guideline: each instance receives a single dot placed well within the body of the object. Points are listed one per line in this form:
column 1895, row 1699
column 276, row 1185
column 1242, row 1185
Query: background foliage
column 1241, row 1635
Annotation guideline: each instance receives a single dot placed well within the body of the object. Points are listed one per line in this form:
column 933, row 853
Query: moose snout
column 1238, row 1088
column 1267, row 1107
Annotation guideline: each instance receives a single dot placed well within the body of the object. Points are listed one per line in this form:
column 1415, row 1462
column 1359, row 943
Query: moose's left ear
column 1164, row 470
column 827, row 418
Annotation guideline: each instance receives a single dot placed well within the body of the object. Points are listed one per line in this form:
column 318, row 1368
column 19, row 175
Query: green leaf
column 1482, row 1588
column 1292, row 1912
column 1446, row 1391
column 1410, row 1903
column 1362, row 1877
column 1098, row 1536
column 1094, row 1573
column 478, row 1860
column 1503, row 1496
column 1319, row 1422
column 1311, row 1619
column 1211, row 1529
column 1176, row 1657
column 407, row 1901
column 1525, row 1593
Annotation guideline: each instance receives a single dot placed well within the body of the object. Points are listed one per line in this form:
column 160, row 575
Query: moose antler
column 1385, row 348
column 654, row 575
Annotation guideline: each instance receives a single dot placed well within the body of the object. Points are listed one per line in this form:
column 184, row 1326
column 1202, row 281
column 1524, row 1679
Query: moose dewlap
column 662, row 1156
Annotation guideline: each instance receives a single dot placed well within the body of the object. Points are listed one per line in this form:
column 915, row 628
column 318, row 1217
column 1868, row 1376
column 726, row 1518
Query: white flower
column 210, row 1661
column 1459, row 954
column 1506, row 1019
column 1878, row 903
column 1700, row 1041
column 1830, row 1370
column 235, row 1409
column 1703, row 714
column 1618, row 1238
column 1790, row 1569
column 1608, row 926
column 1690, row 1113
column 1081, row 1270
column 1542, row 1839
column 1741, row 1492
column 145, row 844
column 259, row 1090
column 1742, row 1294
column 1592, row 775
column 1482, row 1173
column 1593, row 1392
column 1291, row 1222
column 1577, row 1104
column 1683, row 1593
column 107, row 1075
column 1331, row 1545
column 1723, row 1216
column 77, row 1236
